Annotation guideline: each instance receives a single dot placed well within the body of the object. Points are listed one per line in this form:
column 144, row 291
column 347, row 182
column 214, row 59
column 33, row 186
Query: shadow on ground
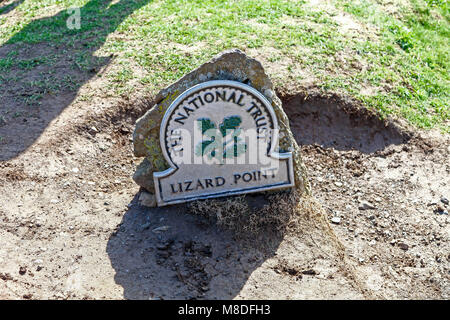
column 45, row 64
column 166, row 253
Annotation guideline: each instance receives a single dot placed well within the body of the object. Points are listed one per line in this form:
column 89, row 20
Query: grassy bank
column 392, row 56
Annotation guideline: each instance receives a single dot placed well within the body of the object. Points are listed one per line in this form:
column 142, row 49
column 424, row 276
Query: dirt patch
column 71, row 227
column 385, row 190
column 333, row 123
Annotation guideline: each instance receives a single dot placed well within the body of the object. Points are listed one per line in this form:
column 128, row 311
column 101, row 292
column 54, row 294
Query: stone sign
column 219, row 130
column 219, row 139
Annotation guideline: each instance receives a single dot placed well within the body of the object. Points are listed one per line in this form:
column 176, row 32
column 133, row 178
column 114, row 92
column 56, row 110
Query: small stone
column 336, row 220
column 147, row 199
column 166, row 245
column 22, row 270
column 161, row 229
column 75, row 170
column 440, row 209
column 338, row 184
column 403, row 246
column 310, row 272
column 365, row 205
column 204, row 288
column 444, row 200
column 5, row 276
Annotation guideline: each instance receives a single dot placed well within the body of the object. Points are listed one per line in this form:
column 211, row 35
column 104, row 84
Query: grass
column 392, row 56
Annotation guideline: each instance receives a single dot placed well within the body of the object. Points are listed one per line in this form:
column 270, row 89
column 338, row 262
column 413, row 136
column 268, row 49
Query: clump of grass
column 239, row 215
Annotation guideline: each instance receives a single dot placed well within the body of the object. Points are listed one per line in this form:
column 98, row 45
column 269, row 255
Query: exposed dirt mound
column 334, row 123
column 71, row 227
column 385, row 190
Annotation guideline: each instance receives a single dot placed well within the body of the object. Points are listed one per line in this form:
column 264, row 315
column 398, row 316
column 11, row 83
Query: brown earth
column 71, row 226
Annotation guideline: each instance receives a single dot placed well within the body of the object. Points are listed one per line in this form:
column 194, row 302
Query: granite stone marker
column 219, row 139
column 218, row 131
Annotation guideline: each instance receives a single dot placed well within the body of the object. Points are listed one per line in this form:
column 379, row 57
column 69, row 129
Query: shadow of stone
column 46, row 63
column 9, row 7
column 334, row 123
column 166, row 253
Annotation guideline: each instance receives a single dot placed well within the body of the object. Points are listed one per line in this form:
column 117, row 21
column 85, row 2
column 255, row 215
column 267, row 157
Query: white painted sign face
column 219, row 138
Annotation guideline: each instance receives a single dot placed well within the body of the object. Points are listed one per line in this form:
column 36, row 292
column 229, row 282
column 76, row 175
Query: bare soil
column 71, row 226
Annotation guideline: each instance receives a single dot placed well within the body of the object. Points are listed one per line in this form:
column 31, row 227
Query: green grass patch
column 394, row 63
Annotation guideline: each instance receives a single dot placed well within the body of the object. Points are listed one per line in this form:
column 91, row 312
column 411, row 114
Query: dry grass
column 283, row 213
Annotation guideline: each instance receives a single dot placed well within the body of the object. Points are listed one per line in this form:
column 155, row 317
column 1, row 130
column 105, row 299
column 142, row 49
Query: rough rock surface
column 147, row 199
column 229, row 65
